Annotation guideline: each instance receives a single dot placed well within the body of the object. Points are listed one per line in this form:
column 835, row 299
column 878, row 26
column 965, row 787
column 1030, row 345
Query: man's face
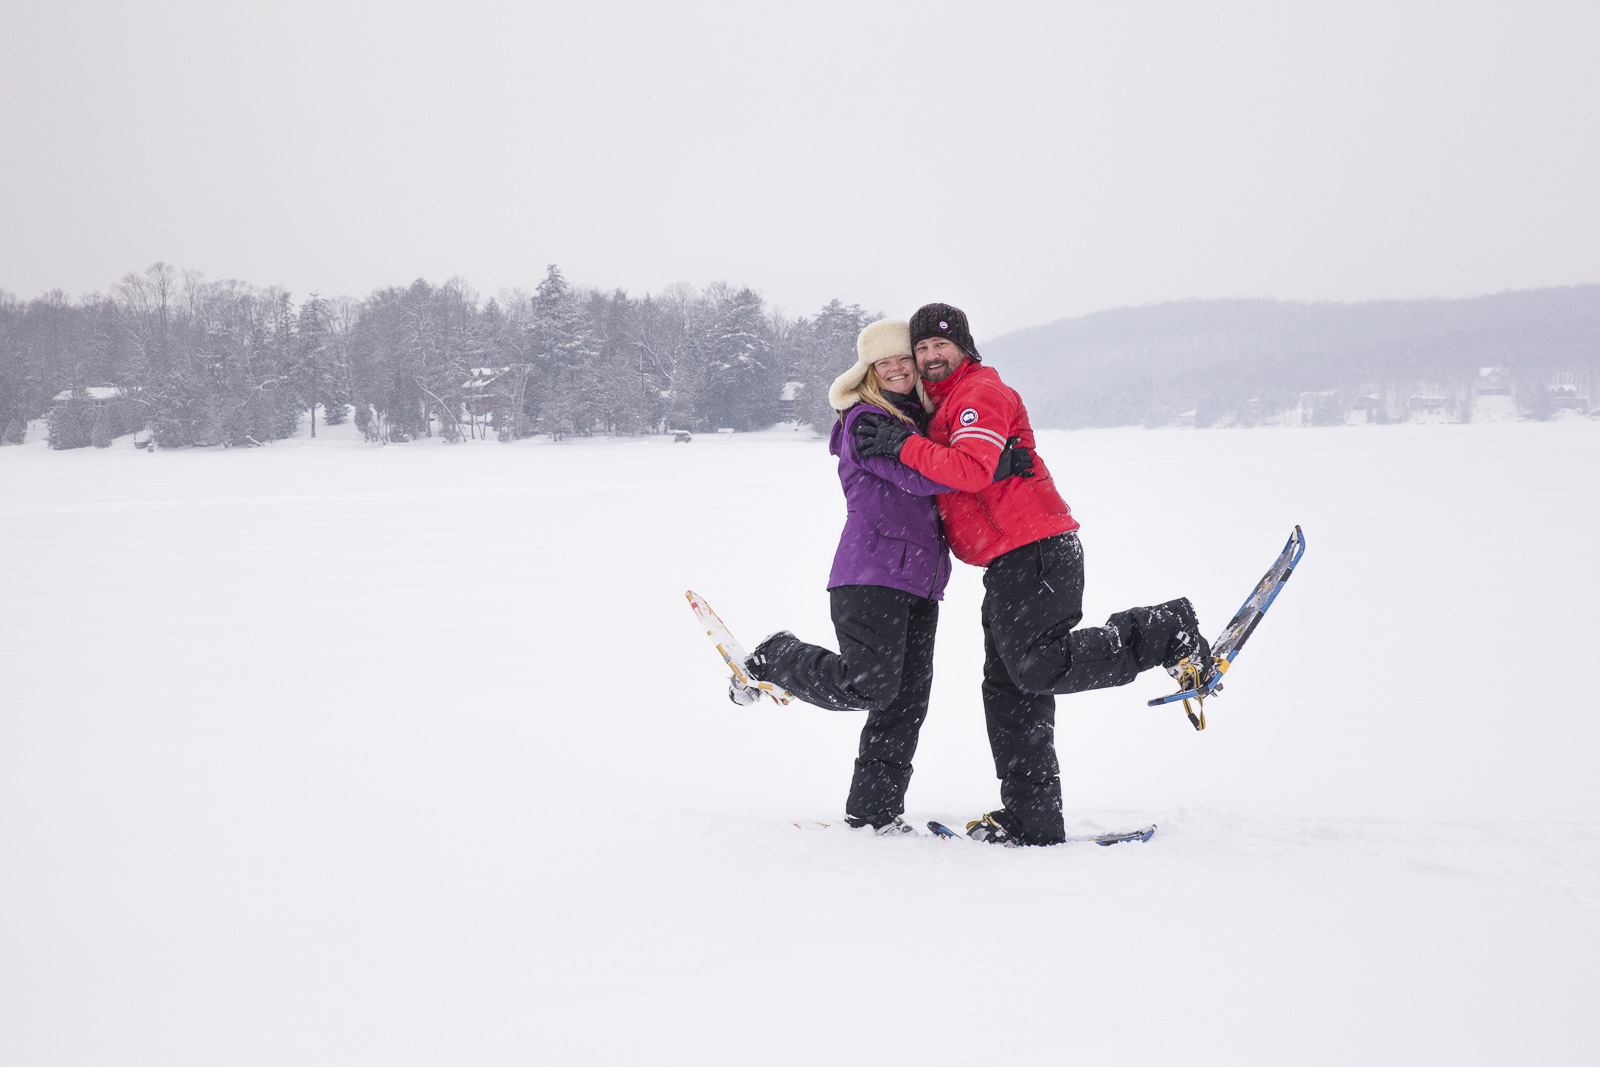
column 937, row 358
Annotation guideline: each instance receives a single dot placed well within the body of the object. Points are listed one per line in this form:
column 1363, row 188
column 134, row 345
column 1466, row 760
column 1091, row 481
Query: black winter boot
column 1188, row 657
column 1187, row 639
column 773, row 647
column 754, row 667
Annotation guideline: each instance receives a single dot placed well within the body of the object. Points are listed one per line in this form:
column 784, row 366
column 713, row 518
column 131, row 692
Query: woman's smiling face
column 897, row 373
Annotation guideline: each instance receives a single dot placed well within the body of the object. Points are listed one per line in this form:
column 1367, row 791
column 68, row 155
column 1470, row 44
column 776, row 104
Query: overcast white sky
column 1025, row 161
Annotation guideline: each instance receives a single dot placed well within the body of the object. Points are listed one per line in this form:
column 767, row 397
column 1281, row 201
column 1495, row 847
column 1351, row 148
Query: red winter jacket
column 983, row 518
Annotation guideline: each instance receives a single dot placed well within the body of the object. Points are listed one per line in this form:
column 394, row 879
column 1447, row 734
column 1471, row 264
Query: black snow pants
column 884, row 666
column 1033, row 597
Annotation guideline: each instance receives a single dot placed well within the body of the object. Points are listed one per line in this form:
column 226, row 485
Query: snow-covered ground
column 326, row 753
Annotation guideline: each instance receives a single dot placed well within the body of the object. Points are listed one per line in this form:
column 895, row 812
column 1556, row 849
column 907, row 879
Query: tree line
column 195, row 362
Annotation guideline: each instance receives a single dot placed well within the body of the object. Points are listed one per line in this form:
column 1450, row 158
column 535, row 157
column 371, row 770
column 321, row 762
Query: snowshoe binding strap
column 1204, row 684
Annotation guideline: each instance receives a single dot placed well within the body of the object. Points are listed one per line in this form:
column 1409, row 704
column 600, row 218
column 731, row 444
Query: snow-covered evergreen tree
column 741, row 385
column 100, row 432
column 622, row 395
column 320, row 376
column 69, row 424
column 829, row 348
column 561, row 396
column 659, row 331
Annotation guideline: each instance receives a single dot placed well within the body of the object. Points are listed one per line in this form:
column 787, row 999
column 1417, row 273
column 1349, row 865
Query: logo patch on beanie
column 969, row 416
column 943, row 325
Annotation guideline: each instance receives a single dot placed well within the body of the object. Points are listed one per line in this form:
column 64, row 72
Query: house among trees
column 90, row 415
column 1319, row 408
column 94, row 396
column 786, row 397
column 1429, row 408
column 1494, row 381
column 1565, row 397
column 478, row 392
column 1366, row 410
column 1494, row 398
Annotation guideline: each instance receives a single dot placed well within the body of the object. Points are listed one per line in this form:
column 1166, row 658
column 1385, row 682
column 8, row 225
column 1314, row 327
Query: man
column 1024, row 535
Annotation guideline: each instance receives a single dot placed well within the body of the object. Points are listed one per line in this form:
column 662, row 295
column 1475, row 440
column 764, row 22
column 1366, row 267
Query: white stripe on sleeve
column 980, row 433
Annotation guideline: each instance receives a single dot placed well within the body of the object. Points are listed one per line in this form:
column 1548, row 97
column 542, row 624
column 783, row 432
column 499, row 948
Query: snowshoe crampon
column 1195, row 681
column 1202, row 677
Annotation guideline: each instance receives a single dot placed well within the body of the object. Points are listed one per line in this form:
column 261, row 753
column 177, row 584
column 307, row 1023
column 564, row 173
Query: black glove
column 876, row 436
column 1015, row 462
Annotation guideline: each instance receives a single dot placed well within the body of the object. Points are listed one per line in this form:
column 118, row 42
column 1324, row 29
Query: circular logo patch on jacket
column 969, row 416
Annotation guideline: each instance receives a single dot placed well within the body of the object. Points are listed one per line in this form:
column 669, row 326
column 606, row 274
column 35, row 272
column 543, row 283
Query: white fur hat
column 886, row 337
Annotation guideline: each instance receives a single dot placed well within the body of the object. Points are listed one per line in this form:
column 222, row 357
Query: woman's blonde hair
column 871, row 392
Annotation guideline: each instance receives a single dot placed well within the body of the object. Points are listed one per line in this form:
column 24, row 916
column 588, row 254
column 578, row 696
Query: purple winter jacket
column 891, row 526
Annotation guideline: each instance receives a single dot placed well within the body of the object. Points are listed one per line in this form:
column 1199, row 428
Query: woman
column 888, row 577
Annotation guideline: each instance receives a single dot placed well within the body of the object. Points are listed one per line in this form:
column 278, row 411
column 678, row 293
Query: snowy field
column 332, row 754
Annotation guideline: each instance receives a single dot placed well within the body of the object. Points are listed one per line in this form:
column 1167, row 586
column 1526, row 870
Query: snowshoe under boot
column 991, row 831
column 884, row 824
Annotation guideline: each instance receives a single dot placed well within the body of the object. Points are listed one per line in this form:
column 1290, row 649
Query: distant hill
column 1248, row 362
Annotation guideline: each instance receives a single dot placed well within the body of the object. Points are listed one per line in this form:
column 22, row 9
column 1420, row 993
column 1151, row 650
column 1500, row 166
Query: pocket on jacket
column 887, row 553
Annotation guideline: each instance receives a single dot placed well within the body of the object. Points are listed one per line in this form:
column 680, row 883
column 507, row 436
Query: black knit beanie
column 942, row 320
